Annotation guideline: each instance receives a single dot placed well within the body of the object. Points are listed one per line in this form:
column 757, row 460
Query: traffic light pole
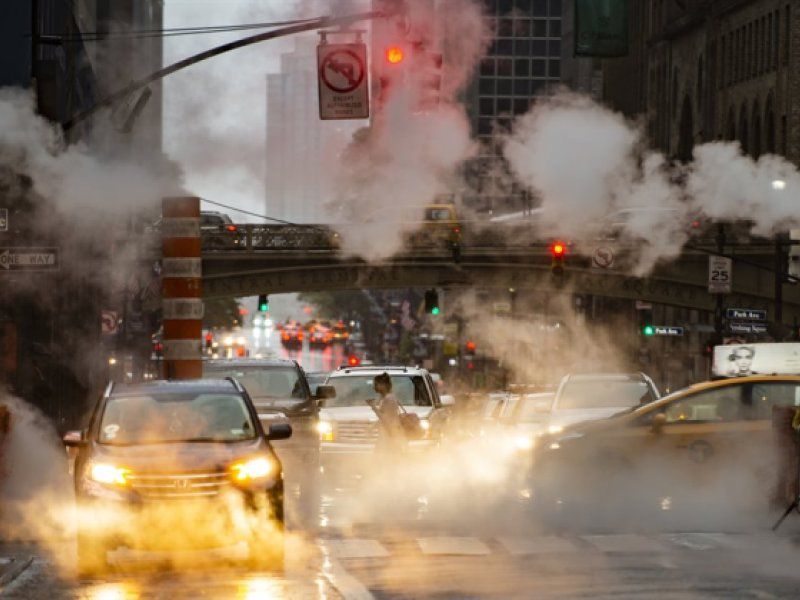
column 720, row 306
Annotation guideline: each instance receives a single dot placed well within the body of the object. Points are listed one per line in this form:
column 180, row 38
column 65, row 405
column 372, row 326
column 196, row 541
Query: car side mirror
column 74, row 439
column 279, row 431
column 658, row 422
column 325, row 392
column 447, row 400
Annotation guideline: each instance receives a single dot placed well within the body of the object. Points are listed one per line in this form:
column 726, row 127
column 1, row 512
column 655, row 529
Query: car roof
column 163, row 386
column 377, row 370
column 720, row 383
column 606, row 377
column 223, row 363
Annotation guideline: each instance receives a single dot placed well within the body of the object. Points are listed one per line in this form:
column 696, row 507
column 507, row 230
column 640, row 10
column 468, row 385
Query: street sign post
column 3, row 219
column 28, row 259
column 343, row 81
column 720, row 274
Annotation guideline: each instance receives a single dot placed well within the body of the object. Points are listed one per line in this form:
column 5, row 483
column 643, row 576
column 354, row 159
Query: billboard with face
column 741, row 360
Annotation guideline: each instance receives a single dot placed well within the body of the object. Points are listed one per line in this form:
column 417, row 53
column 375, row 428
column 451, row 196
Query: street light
column 778, row 184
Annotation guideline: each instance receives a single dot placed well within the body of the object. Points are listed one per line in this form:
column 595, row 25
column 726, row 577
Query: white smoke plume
column 409, row 155
column 586, row 162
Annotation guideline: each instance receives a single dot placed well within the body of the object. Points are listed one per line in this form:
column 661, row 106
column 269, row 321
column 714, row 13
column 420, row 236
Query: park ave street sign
column 746, row 314
column 28, row 259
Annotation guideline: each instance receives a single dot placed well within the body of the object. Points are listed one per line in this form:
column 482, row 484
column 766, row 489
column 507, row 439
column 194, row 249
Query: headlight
column 565, row 438
column 325, row 430
column 253, row 469
column 555, row 429
column 425, row 424
column 107, row 474
column 523, row 442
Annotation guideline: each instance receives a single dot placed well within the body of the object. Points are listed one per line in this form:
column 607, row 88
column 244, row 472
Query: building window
column 504, row 47
column 505, row 28
column 486, row 107
column 504, row 67
column 538, row 48
column 555, row 28
column 485, row 127
column 555, row 69
column 504, row 87
column 522, row 67
column 555, row 8
column 487, row 67
column 539, row 67
column 522, row 28
column 787, row 31
column 486, row 86
column 522, row 47
column 521, row 87
column 520, row 106
column 539, row 28
column 554, row 47
column 503, row 106
column 539, row 8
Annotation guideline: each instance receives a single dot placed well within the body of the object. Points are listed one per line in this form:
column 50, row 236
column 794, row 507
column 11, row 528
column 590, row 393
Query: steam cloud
column 585, row 162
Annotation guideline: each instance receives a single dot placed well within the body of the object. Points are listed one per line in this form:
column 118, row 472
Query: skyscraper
column 524, row 59
column 301, row 150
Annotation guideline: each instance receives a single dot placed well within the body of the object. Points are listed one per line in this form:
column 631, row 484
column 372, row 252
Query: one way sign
column 28, row 259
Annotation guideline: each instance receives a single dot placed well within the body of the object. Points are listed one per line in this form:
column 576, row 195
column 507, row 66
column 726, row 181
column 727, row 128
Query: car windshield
column 603, row 393
column 532, row 409
column 409, row 390
column 280, row 383
column 170, row 418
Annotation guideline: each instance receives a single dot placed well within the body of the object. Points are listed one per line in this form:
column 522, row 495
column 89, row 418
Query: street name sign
column 739, row 327
column 28, row 259
column 3, row 219
column 343, row 81
column 720, row 274
column 667, row 330
column 746, row 314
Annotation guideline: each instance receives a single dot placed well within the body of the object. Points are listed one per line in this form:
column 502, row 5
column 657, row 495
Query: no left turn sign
column 343, row 89
column 603, row 258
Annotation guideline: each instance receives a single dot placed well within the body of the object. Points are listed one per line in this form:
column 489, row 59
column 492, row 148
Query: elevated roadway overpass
column 310, row 261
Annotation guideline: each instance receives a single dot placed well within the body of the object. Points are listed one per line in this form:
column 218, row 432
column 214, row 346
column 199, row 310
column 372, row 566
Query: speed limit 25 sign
column 720, row 274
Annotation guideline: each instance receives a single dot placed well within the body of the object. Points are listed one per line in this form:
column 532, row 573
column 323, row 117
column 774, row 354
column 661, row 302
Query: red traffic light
column 558, row 249
column 353, row 360
column 394, row 55
column 470, row 346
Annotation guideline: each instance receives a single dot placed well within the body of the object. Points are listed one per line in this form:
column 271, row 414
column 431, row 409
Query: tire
column 92, row 555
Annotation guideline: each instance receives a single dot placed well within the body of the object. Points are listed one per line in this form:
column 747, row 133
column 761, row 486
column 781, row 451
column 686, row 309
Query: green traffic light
column 263, row 307
column 648, row 330
column 435, row 310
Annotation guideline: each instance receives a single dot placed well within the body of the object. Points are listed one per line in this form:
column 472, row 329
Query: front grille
column 359, row 432
column 188, row 485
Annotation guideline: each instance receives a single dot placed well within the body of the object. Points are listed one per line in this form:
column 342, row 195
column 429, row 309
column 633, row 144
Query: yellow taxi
column 715, row 435
column 440, row 224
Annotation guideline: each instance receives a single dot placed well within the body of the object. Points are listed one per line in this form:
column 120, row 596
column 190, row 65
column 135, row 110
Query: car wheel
column 92, row 555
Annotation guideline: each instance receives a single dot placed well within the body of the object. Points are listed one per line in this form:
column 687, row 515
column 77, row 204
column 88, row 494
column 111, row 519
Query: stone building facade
column 703, row 70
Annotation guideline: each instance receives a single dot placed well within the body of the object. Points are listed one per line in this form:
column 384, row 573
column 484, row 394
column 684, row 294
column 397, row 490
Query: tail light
column 300, row 336
column 231, row 228
column 285, row 337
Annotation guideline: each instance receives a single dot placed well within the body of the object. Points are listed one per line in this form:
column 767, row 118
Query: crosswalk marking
column 624, row 543
column 453, row 546
column 693, row 541
column 355, row 548
column 538, row 545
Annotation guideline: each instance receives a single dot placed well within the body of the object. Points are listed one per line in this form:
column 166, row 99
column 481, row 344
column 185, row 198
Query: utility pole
column 780, row 276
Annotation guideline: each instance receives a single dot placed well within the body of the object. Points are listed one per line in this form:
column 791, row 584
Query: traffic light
column 427, row 67
column 263, row 303
column 209, row 341
column 353, row 361
column 394, row 54
column 470, row 347
column 558, row 251
column 432, row 302
column 646, row 327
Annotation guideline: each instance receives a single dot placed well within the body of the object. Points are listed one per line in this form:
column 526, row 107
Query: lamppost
column 778, row 185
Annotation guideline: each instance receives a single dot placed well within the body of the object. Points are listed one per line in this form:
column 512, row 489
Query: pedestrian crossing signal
column 263, row 303
column 432, row 302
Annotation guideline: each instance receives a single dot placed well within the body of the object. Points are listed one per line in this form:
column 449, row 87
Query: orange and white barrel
column 182, row 284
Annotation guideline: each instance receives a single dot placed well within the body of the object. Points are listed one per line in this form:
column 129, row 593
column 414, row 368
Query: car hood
column 564, row 418
column 291, row 407
column 364, row 413
column 169, row 458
